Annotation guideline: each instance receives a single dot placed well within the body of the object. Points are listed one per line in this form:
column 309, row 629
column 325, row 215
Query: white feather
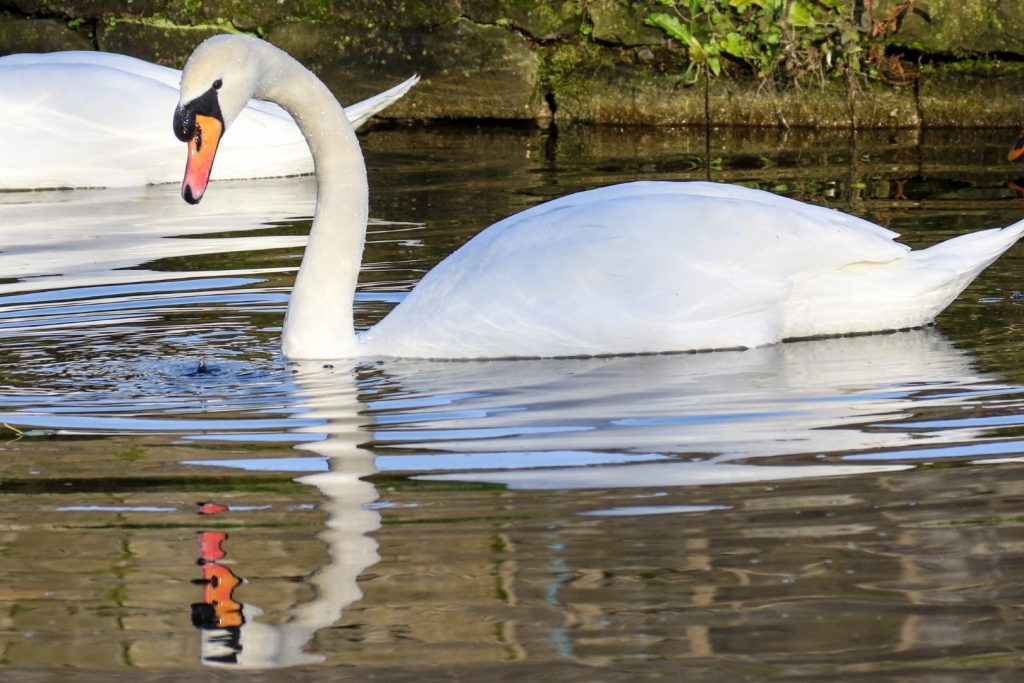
column 636, row 268
column 95, row 119
column 648, row 266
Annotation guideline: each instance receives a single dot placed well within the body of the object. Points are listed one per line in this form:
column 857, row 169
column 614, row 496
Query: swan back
column 97, row 119
column 91, row 119
column 639, row 267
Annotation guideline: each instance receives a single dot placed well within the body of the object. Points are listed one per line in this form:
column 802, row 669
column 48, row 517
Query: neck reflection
column 232, row 634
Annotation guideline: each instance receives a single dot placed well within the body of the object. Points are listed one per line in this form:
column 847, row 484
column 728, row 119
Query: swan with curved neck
column 219, row 79
column 641, row 267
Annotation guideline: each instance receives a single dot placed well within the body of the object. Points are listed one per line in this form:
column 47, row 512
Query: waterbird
column 98, row 119
column 640, row 267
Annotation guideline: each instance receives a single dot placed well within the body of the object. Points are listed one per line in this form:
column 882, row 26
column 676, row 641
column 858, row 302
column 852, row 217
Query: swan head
column 217, row 82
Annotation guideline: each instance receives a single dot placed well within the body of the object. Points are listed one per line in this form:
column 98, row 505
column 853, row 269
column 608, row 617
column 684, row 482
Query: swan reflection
column 817, row 398
column 246, row 642
column 51, row 241
column 644, row 421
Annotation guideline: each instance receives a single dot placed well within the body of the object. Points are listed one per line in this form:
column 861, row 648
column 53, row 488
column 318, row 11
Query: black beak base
column 184, row 123
column 185, row 115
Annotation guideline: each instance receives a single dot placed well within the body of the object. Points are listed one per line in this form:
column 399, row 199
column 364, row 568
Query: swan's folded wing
column 107, row 60
column 73, row 127
column 95, row 119
column 91, row 125
column 627, row 269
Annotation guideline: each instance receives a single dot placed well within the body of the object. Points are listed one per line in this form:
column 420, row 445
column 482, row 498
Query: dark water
column 846, row 509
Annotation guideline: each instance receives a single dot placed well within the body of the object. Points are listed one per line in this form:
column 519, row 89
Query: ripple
column 644, row 510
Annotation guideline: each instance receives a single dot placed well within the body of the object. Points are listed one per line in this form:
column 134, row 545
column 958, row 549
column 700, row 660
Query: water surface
column 177, row 498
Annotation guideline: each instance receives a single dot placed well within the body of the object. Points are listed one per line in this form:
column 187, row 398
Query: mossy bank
column 824, row 63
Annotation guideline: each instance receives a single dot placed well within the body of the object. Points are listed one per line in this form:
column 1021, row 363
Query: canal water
column 178, row 499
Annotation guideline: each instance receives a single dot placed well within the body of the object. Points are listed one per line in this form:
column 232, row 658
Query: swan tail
column 945, row 270
column 968, row 255
column 360, row 112
column 903, row 293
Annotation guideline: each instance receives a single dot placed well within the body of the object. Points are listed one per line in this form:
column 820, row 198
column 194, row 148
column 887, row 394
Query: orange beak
column 1018, row 149
column 210, row 549
column 218, row 584
column 202, row 148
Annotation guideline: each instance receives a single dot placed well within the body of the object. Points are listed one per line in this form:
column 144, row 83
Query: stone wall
column 567, row 60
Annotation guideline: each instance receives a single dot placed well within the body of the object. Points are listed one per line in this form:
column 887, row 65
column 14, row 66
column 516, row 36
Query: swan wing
column 360, row 112
column 640, row 267
column 96, row 119
column 72, row 126
column 94, row 125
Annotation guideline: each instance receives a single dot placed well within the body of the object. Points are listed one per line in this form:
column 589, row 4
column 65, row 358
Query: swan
column 96, row 119
column 642, row 267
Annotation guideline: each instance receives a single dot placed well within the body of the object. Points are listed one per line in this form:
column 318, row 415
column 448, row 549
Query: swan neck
column 319, row 320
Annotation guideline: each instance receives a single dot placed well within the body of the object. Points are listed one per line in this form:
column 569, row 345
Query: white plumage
column 96, row 119
column 663, row 266
column 637, row 268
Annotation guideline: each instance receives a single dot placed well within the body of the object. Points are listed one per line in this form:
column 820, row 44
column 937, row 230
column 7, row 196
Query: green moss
column 130, row 454
column 392, row 483
column 958, row 27
column 970, row 93
column 498, row 545
column 158, row 21
column 540, row 19
column 490, row 519
column 570, row 67
column 205, row 485
column 987, row 660
column 987, row 521
column 978, row 67
column 118, row 595
column 944, row 465
column 622, row 23
column 596, row 60
column 588, row 82
column 42, row 35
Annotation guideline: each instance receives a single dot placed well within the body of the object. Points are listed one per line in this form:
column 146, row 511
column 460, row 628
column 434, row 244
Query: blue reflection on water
column 435, row 463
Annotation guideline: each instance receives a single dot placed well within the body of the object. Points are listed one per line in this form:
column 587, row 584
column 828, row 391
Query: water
column 844, row 509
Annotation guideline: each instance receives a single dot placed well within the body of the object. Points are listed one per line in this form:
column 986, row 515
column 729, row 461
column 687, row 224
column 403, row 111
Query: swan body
column 641, row 267
column 96, row 119
column 659, row 266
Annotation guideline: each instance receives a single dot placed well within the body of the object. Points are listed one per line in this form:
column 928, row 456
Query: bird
column 94, row 119
column 639, row 267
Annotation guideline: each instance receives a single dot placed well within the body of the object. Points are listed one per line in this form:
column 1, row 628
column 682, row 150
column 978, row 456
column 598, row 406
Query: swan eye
column 217, row 83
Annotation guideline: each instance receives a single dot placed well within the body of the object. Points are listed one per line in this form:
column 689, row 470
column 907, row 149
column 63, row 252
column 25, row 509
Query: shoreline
column 568, row 61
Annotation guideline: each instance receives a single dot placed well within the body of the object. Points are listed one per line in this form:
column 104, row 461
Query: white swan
column 641, row 267
column 95, row 119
